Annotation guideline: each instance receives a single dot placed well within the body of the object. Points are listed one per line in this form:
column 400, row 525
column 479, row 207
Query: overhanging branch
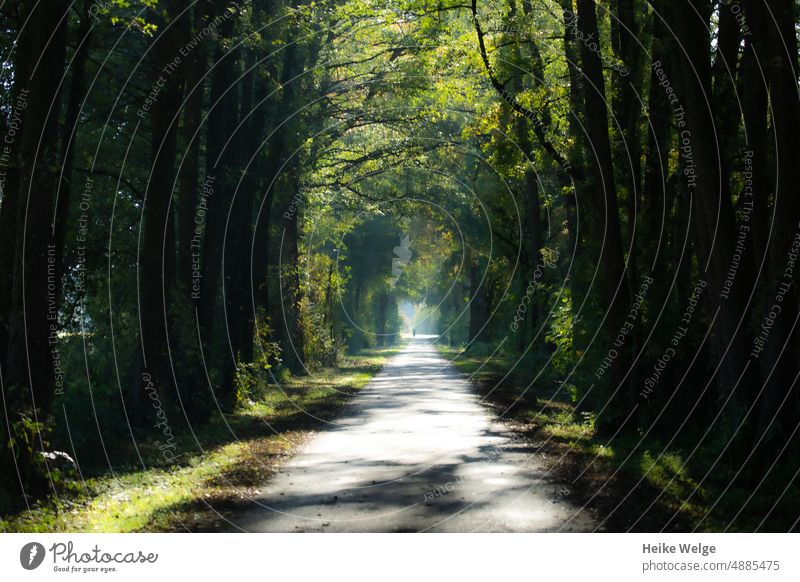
column 539, row 127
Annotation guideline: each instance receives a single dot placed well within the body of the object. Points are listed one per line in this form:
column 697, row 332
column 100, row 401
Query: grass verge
column 632, row 482
column 227, row 462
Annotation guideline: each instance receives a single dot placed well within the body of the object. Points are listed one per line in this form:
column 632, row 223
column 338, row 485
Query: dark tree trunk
column 715, row 231
column 261, row 232
column 75, row 102
column 532, row 232
column 382, row 307
column 614, row 290
column 243, row 245
column 778, row 410
column 657, row 197
column 190, row 233
column 753, row 88
column 294, row 350
column 477, row 302
column 578, row 281
column 279, row 173
column 220, row 164
column 157, row 244
column 723, row 83
column 238, row 226
column 28, row 374
column 628, row 111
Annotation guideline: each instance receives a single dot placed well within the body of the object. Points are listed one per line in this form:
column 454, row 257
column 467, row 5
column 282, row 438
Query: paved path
column 414, row 451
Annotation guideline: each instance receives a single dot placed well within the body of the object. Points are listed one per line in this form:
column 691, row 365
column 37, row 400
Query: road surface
column 415, row 451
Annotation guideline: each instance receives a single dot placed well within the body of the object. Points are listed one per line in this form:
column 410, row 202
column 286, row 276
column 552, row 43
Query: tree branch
column 539, row 127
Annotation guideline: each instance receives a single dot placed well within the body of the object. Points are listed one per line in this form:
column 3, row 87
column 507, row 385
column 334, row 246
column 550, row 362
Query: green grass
column 238, row 455
column 572, row 438
column 130, row 502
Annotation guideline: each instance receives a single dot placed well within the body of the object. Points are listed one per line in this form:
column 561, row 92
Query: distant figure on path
column 414, row 332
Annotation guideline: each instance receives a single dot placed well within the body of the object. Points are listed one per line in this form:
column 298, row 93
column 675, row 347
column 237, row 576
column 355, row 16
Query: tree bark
column 715, row 231
column 157, row 244
column 614, row 290
column 782, row 346
column 220, row 164
column 28, row 373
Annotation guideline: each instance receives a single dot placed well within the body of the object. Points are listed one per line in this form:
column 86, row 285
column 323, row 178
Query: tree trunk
column 657, row 197
column 75, row 101
column 220, row 164
column 753, row 87
column 291, row 294
column 777, row 418
column 254, row 108
column 628, row 111
column 714, row 226
column 157, row 244
column 28, row 373
column 578, row 281
column 477, row 302
column 614, row 290
column 189, row 231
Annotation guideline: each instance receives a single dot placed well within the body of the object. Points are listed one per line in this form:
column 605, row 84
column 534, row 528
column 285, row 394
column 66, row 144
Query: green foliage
column 560, row 334
column 380, row 122
column 254, row 378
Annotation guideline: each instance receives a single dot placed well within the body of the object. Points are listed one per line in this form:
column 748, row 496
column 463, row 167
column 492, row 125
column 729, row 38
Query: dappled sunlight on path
column 415, row 451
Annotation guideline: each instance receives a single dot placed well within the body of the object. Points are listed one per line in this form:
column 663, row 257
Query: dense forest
column 204, row 200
